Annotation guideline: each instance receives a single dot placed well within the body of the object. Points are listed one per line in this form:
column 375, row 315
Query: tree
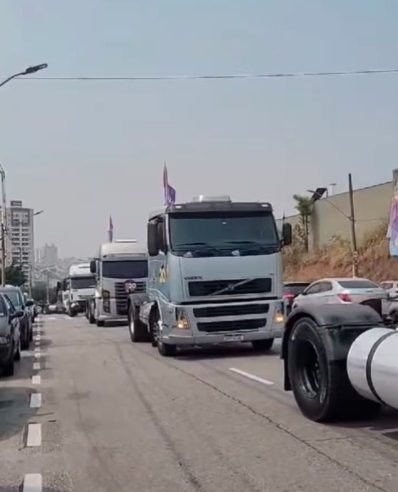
column 15, row 275
column 304, row 205
column 39, row 292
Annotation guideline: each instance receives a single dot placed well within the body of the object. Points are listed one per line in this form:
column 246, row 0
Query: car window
column 10, row 305
column 3, row 306
column 313, row 289
column 387, row 285
column 325, row 287
column 357, row 284
column 294, row 288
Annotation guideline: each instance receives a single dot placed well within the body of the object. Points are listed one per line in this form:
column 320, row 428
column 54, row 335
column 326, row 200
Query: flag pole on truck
column 110, row 230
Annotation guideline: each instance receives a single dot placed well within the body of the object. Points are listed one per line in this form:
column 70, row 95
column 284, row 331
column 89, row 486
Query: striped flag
column 169, row 191
column 110, row 230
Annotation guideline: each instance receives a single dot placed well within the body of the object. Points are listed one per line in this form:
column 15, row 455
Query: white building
column 20, row 237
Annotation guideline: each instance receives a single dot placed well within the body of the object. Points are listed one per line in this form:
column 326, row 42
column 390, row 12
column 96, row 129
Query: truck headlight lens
column 279, row 314
column 182, row 319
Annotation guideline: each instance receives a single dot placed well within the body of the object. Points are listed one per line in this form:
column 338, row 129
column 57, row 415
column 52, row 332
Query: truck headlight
column 106, row 294
column 182, row 319
column 279, row 314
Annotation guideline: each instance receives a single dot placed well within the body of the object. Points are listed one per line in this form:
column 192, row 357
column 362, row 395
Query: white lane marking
column 36, row 379
column 37, row 355
column 35, row 400
column 38, row 337
column 33, row 482
column 36, row 366
column 37, row 343
column 251, row 376
column 37, row 349
column 34, row 435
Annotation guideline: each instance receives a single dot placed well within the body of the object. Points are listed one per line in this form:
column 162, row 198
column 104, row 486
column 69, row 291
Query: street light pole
column 3, row 226
column 27, row 71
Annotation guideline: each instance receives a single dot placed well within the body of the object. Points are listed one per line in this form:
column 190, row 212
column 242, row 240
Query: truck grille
column 121, row 296
column 210, row 287
column 244, row 324
column 244, row 309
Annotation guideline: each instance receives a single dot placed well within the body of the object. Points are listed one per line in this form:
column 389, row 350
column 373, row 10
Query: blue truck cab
column 214, row 275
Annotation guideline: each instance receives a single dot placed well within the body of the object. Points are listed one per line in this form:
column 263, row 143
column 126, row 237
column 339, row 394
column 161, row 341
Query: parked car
column 31, row 305
column 391, row 303
column 290, row 291
column 16, row 297
column 10, row 335
column 343, row 291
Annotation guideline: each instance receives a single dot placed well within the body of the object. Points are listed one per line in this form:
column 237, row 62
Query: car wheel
column 17, row 356
column 25, row 342
column 8, row 368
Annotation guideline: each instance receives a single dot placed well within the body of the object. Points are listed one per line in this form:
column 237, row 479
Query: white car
column 391, row 304
column 343, row 291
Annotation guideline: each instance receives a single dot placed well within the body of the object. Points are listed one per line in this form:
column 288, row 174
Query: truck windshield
column 223, row 234
column 125, row 269
column 82, row 282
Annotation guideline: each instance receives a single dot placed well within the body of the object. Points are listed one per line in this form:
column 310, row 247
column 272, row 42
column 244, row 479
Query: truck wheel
column 137, row 329
column 322, row 390
column 166, row 349
column 263, row 345
column 91, row 317
column 153, row 328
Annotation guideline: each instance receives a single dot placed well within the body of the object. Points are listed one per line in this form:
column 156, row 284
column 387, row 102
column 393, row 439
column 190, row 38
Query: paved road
column 113, row 416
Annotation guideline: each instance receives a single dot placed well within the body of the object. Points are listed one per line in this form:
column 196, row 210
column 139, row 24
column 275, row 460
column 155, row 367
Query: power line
column 222, row 76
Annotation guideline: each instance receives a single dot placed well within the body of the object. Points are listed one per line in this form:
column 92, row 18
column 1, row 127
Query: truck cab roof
column 120, row 249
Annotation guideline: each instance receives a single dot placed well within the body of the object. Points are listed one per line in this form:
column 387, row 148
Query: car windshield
column 125, row 269
column 82, row 282
column 223, row 234
column 15, row 297
column 357, row 284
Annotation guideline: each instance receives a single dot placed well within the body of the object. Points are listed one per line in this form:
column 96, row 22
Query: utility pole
column 353, row 231
column 3, row 226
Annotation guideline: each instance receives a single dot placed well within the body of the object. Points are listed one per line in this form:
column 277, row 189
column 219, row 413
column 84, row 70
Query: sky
column 88, row 149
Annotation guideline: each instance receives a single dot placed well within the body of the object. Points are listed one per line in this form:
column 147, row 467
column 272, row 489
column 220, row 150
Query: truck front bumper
column 205, row 325
column 110, row 314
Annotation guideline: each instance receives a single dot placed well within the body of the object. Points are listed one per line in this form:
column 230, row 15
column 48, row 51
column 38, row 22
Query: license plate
column 233, row 338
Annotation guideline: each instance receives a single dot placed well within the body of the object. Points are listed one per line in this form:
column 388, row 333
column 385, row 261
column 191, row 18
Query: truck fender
column 339, row 325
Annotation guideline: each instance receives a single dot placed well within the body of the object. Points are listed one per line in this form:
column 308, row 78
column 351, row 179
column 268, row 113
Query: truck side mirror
column 287, row 234
column 93, row 266
column 161, row 236
column 153, row 248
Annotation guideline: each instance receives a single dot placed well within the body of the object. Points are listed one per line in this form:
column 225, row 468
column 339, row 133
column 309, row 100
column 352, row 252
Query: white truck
column 78, row 288
column 119, row 266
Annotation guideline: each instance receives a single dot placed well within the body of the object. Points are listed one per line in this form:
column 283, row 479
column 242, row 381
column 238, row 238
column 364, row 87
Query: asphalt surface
column 113, row 416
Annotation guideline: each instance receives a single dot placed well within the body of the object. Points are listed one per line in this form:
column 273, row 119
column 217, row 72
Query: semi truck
column 77, row 288
column 120, row 266
column 215, row 276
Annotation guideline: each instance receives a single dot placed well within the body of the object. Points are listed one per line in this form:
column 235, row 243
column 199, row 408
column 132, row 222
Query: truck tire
column 322, row 389
column 138, row 331
column 91, row 317
column 166, row 349
column 263, row 345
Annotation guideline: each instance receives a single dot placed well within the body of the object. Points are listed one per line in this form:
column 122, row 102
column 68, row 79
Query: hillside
column 335, row 260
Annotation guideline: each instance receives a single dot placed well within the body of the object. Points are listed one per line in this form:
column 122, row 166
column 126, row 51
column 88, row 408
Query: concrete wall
column 329, row 217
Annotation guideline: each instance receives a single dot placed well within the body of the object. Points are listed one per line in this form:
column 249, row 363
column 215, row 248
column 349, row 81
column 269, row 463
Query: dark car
column 18, row 301
column 290, row 291
column 10, row 335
